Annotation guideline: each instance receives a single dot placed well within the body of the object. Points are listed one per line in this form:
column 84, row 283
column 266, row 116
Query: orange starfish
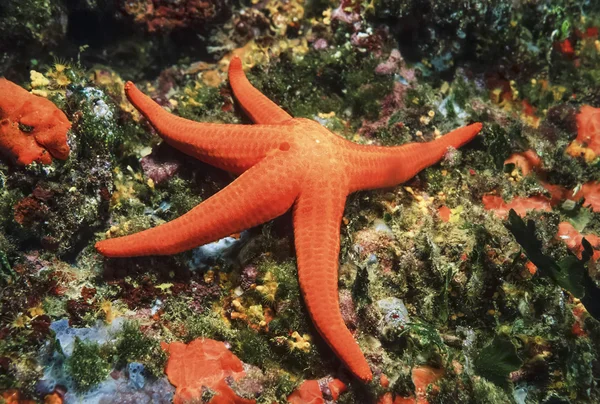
column 284, row 162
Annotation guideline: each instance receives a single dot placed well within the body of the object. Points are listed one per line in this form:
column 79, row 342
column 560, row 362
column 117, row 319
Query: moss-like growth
column 134, row 346
column 325, row 81
column 443, row 34
column 253, row 347
column 96, row 121
column 278, row 386
column 202, row 103
column 502, row 142
column 488, row 393
column 179, row 192
column 569, row 172
column 87, row 365
column 210, row 325
column 31, row 21
column 448, row 393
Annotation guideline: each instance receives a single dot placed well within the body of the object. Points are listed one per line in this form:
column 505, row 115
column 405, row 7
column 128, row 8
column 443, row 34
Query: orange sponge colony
column 203, row 363
column 31, row 127
column 587, row 143
column 310, row 392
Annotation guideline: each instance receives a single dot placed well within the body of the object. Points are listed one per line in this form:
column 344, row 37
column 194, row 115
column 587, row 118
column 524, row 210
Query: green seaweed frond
column 87, row 365
column 135, row 346
column 570, row 273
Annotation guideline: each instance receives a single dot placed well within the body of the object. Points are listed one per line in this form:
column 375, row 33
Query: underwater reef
column 475, row 281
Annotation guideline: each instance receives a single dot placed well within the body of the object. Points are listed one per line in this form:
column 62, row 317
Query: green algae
column 203, row 103
column 486, row 392
column 210, row 325
column 134, row 346
column 497, row 360
column 87, row 365
column 570, row 273
column 322, row 81
column 32, row 22
column 277, row 387
column 254, row 347
column 179, row 193
column 97, row 124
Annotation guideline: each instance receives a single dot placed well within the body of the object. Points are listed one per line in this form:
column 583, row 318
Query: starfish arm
column 379, row 167
column 256, row 105
column 234, row 148
column 317, row 217
column 262, row 193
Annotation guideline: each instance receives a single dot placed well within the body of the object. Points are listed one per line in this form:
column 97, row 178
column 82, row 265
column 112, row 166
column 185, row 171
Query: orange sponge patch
column 31, row 127
column 203, row 363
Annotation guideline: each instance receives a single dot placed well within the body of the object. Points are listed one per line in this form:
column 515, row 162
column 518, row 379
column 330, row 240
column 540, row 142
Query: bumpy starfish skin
column 284, row 162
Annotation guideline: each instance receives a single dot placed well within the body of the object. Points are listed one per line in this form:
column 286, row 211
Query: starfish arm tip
column 129, row 86
column 108, row 248
column 366, row 376
column 235, row 64
column 99, row 246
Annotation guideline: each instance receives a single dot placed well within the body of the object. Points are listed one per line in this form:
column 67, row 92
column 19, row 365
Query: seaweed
column 87, row 366
column 7, row 274
column 497, row 360
column 360, row 288
column 570, row 273
column 134, row 346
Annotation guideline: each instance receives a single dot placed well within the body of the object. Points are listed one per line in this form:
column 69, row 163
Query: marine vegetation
column 463, row 274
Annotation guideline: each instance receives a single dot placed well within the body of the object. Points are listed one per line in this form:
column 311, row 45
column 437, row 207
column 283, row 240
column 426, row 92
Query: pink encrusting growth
column 519, row 204
column 587, row 143
column 590, row 191
column 526, row 161
column 422, row 377
column 572, row 238
column 317, row 391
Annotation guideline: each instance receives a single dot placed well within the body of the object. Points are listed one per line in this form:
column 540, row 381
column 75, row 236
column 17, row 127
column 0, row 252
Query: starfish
column 284, row 163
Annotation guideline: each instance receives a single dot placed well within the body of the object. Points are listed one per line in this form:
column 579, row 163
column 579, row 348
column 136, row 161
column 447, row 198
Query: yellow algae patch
column 20, row 321
column 423, row 203
column 576, row 149
column 36, row 311
column 38, row 79
column 299, row 342
column 59, row 75
column 269, row 287
column 110, row 313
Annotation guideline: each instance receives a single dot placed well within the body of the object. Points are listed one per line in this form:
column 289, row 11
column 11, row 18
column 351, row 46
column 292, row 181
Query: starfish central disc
column 283, row 163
